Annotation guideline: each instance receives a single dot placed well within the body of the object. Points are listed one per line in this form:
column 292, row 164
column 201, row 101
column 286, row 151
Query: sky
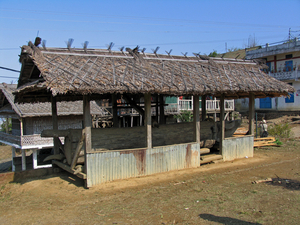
column 185, row 26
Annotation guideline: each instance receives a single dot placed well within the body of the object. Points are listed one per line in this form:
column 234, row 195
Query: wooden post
column 162, row 110
column 222, row 122
column 23, row 160
column 87, row 126
column 148, row 125
column 115, row 110
column 6, row 125
column 251, row 114
column 34, row 158
column 87, row 123
column 203, row 107
column 54, row 124
column 156, row 108
column 196, row 116
column 21, row 128
column 13, row 151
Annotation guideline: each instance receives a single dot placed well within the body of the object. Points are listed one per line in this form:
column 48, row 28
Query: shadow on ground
column 285, row 183
column 44, row 174
column 225, row 220
column 5, row 166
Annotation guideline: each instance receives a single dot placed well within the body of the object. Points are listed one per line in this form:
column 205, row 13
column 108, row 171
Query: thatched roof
column 74, row 72
column 8, row 108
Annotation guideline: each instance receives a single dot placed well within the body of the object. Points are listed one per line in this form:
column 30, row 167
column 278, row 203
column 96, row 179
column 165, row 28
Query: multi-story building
column 283, row 61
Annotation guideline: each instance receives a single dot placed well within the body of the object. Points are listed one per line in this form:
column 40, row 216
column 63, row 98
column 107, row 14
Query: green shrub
column 280, row 130
column 184, row 116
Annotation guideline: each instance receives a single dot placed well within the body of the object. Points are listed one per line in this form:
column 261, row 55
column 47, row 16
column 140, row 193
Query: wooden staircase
column 207, row 157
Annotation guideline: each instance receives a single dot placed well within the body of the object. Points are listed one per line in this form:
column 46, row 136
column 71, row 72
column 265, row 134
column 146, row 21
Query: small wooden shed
column 57, row 74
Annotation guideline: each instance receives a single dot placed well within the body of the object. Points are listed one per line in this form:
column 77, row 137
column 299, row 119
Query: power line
column 5, row 68
column 9, row 77
column 144, row 18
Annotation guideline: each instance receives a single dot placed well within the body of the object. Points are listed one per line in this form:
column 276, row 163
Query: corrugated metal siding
column 112, row 165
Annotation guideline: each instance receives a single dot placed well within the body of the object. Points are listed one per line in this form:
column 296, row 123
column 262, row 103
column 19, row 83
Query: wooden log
column 266, row 141
column 78, row 149
column 210, row 158
column 204, row 151
column 68, row 169
column 57, row 157
column 68, row 149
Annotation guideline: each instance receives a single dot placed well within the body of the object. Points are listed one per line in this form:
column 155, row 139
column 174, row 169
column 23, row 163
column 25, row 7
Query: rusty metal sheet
column 113, row 165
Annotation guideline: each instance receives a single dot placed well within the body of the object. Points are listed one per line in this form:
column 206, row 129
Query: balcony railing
column 288, row 75
column 27, row 141
column 181, row 105
column 211, row 105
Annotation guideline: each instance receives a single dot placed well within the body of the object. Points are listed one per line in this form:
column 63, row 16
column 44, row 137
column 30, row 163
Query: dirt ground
column 221, row 193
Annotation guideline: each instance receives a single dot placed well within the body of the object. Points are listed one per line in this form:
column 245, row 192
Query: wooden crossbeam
column 133, row 104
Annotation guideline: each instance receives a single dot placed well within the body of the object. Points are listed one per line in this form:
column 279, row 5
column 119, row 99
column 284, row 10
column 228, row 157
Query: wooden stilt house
column 108, row 154
column 30, row 119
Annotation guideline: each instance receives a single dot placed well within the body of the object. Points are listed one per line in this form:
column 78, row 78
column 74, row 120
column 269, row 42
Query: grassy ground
column 213, row 194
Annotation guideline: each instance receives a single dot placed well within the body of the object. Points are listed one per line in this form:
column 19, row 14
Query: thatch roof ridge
column 82, row 72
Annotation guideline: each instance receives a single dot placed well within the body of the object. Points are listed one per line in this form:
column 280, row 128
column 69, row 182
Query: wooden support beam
column 148, row 124
column 203, row 107
column 54, row 123
column 251, row 113
column 156, row 108
column 55, row 133
column 161, row 110
column 78, row 149
column 87, row 122
column 60, row 145
column 222, row 122
column 115, row 110
column 196, row 120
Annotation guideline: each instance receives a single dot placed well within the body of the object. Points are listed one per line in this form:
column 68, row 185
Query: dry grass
column 222, row 193
column 5, row 152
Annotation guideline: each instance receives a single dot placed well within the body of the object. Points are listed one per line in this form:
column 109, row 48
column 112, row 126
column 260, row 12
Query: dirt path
column 212, row 194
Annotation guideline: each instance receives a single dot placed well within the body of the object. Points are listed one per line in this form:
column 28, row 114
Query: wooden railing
column 211, row 105
column 181, row 105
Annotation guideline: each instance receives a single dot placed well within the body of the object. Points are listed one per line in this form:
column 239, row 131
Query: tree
column 233, row 49
column 4, row 124
column 213, row 54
